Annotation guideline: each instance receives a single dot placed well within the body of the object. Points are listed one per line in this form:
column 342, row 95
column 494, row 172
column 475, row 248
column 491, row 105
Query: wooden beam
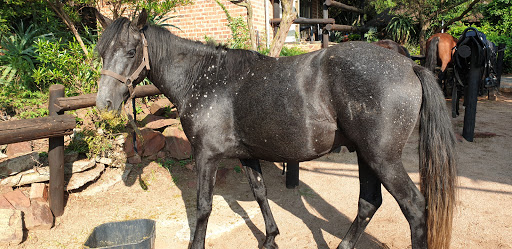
column 347, row 28
column 36, row 128
column 305, row 21
column 332, row 3
column 88, row 100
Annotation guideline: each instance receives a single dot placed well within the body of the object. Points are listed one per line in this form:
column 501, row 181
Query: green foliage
column 65, row 63
column 382, row 5
column 401, row 28
column 98, row 140
column 286, row 51
column 371, row 35
column 19, row 57
column 240, row 38
column 158, row 10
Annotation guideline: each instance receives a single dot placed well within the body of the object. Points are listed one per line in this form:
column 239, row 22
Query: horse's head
column 123, row 49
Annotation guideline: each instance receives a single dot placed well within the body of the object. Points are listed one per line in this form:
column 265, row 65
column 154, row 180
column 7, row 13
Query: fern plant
column 401, row 28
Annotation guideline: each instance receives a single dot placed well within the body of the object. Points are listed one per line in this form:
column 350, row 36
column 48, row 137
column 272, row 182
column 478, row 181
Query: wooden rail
column 36, row 128
column 329, row 23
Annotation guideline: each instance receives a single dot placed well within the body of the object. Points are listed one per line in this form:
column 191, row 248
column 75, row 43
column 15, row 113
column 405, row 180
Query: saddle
column 486, row 55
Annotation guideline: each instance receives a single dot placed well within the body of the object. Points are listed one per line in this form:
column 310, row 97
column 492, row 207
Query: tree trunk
column 286, row 22
column 57, row 7
column 250, row 21
column 424, row 25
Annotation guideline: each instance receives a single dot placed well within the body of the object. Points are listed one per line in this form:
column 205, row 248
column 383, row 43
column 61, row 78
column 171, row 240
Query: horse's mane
column 110, row 33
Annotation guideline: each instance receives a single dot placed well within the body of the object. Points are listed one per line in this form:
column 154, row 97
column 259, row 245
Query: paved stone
column 17, row 199
column 11, row 227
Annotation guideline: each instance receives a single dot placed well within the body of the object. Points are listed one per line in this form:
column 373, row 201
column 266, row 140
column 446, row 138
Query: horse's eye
column 131, row 53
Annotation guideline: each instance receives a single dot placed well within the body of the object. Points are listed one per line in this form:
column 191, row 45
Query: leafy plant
column 19, row 57
column 66, row 64
column 286, row 51
column 240, row 38
column 401, row 28
column 371, row 35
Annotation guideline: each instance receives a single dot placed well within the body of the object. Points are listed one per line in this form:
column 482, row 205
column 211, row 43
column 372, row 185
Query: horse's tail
column 431, row 59
column 437, row 161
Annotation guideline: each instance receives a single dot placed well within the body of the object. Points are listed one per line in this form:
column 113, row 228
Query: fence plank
column 88, row 100
column 36, row 128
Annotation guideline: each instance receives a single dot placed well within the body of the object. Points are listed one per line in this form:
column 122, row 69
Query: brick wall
column 206, row 18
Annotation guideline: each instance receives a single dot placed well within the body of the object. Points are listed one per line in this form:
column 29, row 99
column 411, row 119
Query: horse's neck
column 176, row 63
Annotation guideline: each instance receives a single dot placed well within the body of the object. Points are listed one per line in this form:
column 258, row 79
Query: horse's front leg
column 206, row 171
column 253, row 171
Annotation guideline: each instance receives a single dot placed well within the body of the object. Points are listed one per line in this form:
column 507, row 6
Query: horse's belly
column 300, row 142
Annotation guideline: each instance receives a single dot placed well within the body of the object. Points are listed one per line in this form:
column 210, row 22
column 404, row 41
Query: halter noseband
column 129, row 80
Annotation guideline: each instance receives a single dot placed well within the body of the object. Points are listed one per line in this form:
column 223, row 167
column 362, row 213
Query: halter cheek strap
column 128, row 81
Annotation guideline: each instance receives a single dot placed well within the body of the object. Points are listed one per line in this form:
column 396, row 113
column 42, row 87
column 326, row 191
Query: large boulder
column 176, row 143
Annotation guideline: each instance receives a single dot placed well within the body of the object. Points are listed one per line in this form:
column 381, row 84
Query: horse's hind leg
column 370, row 199
column 412, row 203
column 253, row 171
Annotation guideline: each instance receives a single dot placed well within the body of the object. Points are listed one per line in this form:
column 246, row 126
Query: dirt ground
column 316, row 214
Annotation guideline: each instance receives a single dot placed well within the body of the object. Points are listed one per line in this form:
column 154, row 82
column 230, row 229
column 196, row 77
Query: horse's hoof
column 270, row 244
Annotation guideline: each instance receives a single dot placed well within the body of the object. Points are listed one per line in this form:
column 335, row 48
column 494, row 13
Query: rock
column 12, row 166
column 104, row 160
column 70, row 157
column 79, row 166
column 177, row 144
column 38, row 216
column 17, row 199
column 78, row 180
column 18, row 148
column 28, row 177
column 153, row 142
column 39, row 191
column 108, row 179
column 135, row 159
column 161, row 123
column 4, row 204
column 11, row 227
column 161, row 154
column 158, row 107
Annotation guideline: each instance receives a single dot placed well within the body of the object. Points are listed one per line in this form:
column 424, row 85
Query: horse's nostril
column 109, row 104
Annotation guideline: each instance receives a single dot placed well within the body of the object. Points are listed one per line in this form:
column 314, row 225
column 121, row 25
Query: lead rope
column 131, row 119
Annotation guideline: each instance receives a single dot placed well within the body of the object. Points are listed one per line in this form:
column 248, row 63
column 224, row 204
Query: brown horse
column 439, row 52
column 389, row 44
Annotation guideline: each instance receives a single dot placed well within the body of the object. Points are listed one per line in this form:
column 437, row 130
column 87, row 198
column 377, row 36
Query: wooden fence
column 55, row 127
column 329, row 23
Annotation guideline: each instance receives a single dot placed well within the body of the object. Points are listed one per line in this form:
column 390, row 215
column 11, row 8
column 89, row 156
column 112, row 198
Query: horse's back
column 301, row 107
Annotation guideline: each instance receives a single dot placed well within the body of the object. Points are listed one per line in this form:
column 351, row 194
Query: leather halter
column 128, row 81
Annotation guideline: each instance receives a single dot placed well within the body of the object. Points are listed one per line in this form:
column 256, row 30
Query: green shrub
column 66, row 64
column 19, row 57
column 286, row 51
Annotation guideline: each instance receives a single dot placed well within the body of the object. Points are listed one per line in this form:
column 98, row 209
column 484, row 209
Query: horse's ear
column 104, row 21
column 140, row 20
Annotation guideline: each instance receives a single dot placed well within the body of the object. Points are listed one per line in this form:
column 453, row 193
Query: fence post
column 325, row 32
column 56, row 157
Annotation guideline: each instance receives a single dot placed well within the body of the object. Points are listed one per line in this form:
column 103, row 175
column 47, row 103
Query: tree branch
column 285, row 24
column 250, row 19
column 450, row 22
column 57, row 7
